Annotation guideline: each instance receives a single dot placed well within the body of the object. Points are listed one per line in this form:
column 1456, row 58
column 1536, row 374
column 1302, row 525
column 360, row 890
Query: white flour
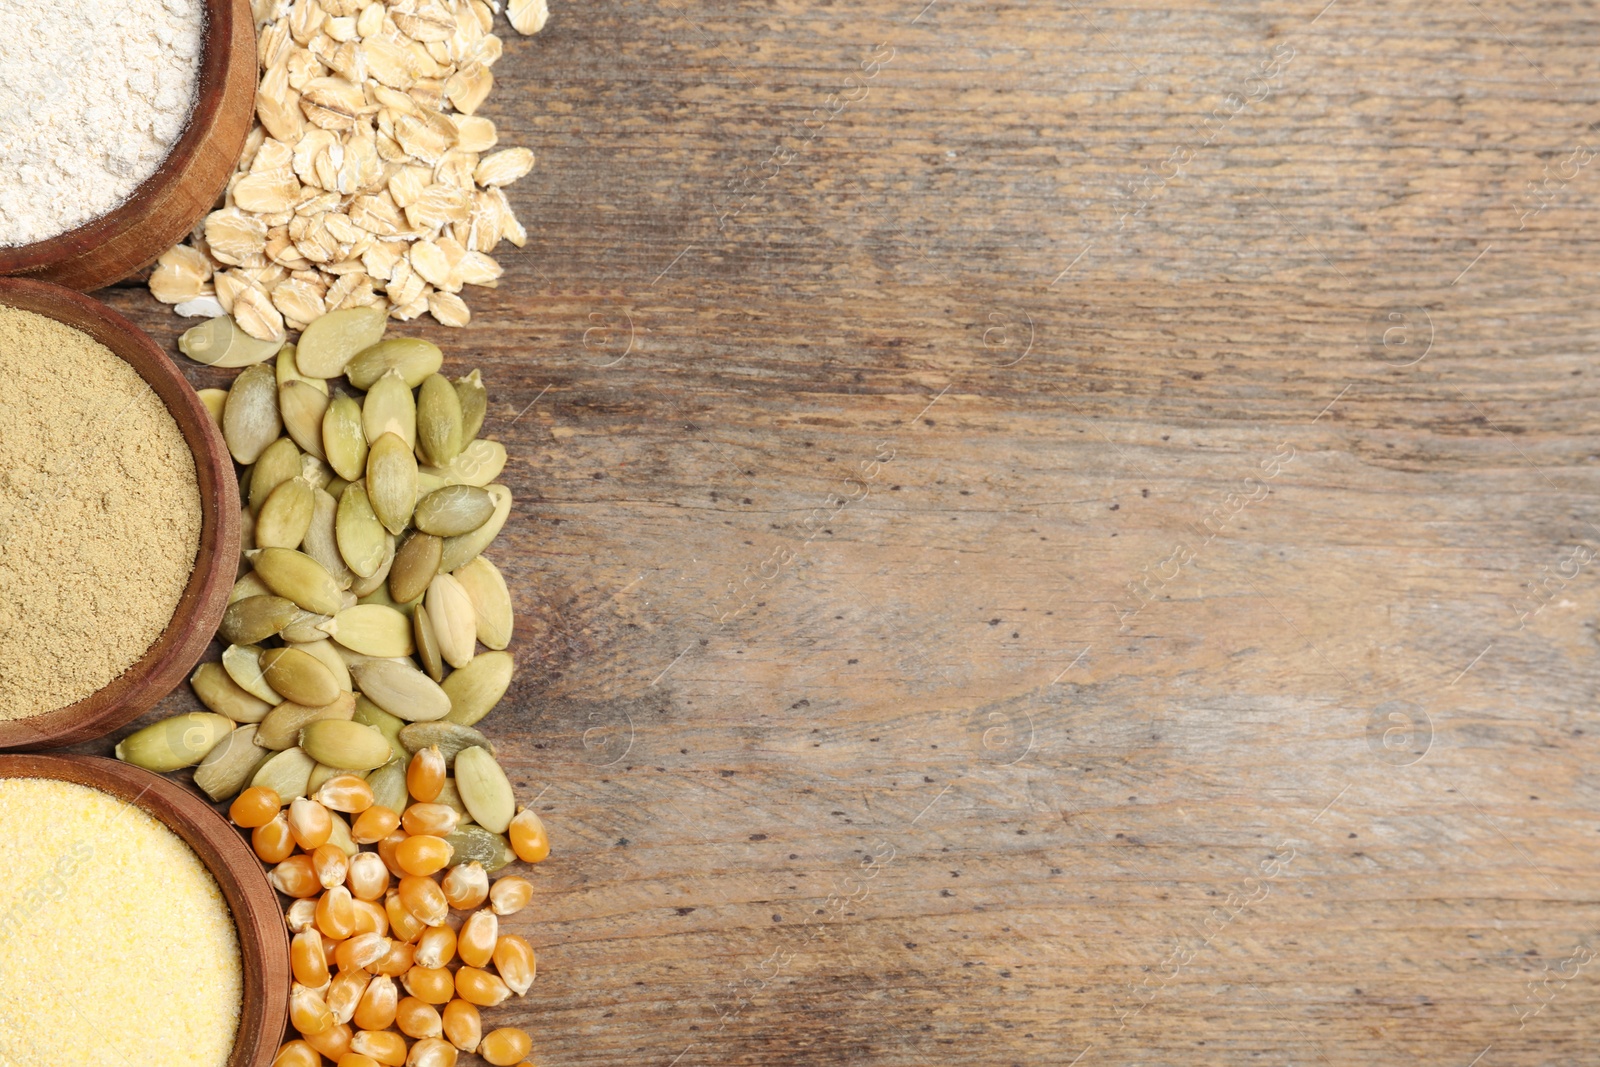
column 93, row 94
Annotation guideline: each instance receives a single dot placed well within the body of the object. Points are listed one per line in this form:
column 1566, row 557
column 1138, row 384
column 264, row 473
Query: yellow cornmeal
column 117, row 947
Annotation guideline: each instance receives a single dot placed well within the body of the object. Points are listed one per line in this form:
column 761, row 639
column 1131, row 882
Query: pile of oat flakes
column 368, row 178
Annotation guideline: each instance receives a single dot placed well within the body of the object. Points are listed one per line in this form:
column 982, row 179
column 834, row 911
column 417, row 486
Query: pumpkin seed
column 400, row 689
column 439, row 420
column 329, row 343
column 415, row 563
column 459, row 550
column 427, row 643
column 322, row 772
column 340, row 743
column 297, row 576
column 336, row 486
column 392, row 482
column 228, row 767
column 474, row 844
column 369, row 714
column 283, row 723
column 453, row 510
column 372, row 583
column 474, row 399
column 479, row 463
column 306, row 629
column 243, row 664
column 288, row 370
column 447, row 735
column 338, row 828
column 304, row 407
column 450, row 798
column 321, row 542
column 286, row 516
column 219, row 342
column 491, row 601
column 389, row 785
column 278, row 462
column 372, row 630
column 175, row 743
column 360, row 534
column 247, row 524
column 299, row 676
column 214, row 400
column 413, row 357
column 250, row 419
column 250, row 585
column 454, row 626
column 475, row 689
column 343, row 443
column 381, row 595
column 390, row 408
column 223, row 695
column 485, row 789
column 323, row 652
column 256, row 618
column 286, row 774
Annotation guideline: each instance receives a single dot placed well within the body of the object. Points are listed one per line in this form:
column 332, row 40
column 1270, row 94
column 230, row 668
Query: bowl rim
column 194, row 621
column 253, row 903
column 216, row 54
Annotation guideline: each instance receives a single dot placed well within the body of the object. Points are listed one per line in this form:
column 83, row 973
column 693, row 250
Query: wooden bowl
column 263, row 938
column 205, row 597
column 183, row 189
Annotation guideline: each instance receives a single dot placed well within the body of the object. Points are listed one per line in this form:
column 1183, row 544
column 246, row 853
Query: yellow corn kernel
column 462, row 1025
column 475, row 942
column 376, row 1008
column 431, row 985
column 528, row 837
column 296, row 1054
column 386, row 852
column 336, row 913
column 402, row 924
column 506, row 1046
column 362, row 950
column 345, row 992
column 516, row 963
column 480, row 987
column 385, row 1046
column 373, row 825
column 466, row 885
column 370, row 918
column 423, row 854
column 397, row 961
column 510, row 894
column 272, row 841
column 423, row 898
column 329, row 946
column 435, row 819
column 308, row 1012
column 295, row 877
column 367, row 877
column 307, row 960
column 346, row 793
column 425, row 774
column 254, row 807
column 331, row 864
column 333, row 1042
column 432, row 1052
column 301, row 915
column 417, row 1018
column 436, row 947
column 310, row 823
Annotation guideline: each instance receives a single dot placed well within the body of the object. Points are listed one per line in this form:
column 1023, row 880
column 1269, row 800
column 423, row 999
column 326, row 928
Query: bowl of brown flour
column 119, row 519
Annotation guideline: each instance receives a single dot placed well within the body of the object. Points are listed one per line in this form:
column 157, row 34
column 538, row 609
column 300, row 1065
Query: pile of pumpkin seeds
column 353, row 633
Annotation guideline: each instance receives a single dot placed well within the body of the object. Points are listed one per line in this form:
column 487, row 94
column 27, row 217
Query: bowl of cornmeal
column 119, row 519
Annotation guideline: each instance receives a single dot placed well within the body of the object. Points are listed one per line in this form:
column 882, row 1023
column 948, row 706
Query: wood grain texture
column 1279, row 536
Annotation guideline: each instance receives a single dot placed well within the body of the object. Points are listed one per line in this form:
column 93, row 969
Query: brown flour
column 99, row 515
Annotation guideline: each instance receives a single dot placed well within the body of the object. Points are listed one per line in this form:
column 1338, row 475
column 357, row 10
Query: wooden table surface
column 1051, row 533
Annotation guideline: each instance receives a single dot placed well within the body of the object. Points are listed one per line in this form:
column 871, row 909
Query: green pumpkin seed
column 381, row 595
column 415, row 563
column 474, row 399
column 219, row 342
column 389, row 786
column 223, row 695
column 214, row 400
column 427, row 644
column 491, row 601
column 324, row 653
column 474, row 844
column 316, row 471
column 286, row 516
column 475, row 689
column 458, row 551
column 250, row 419
column 256, row 618
column 400, row 689
column 336, row 486
column 286, row 773
column 297, row 576
column 369, row 714
column 247, row 524
column 303, row 408
column 338, row 828
column 392, row 482
column 283, row 723
column 413, row 357
column 278, row 463
column 454, row 625
column 372, row 630
column 299, row 676
column 439, row 420
column 228, row 768
column 453, row 510
column 450, row 798
column 340, row 743
column 332, row 341
column 343, row 442
column 288, row 370
column 360, row 534
column 320, row 775
column 306, row 629
column 447, row 735
column 478, row 464
column 373, row 582
column 250, row 585
column 390, row 408
column 485, row 789
column 243, row 664
column 321, row 542
column 175, row 743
